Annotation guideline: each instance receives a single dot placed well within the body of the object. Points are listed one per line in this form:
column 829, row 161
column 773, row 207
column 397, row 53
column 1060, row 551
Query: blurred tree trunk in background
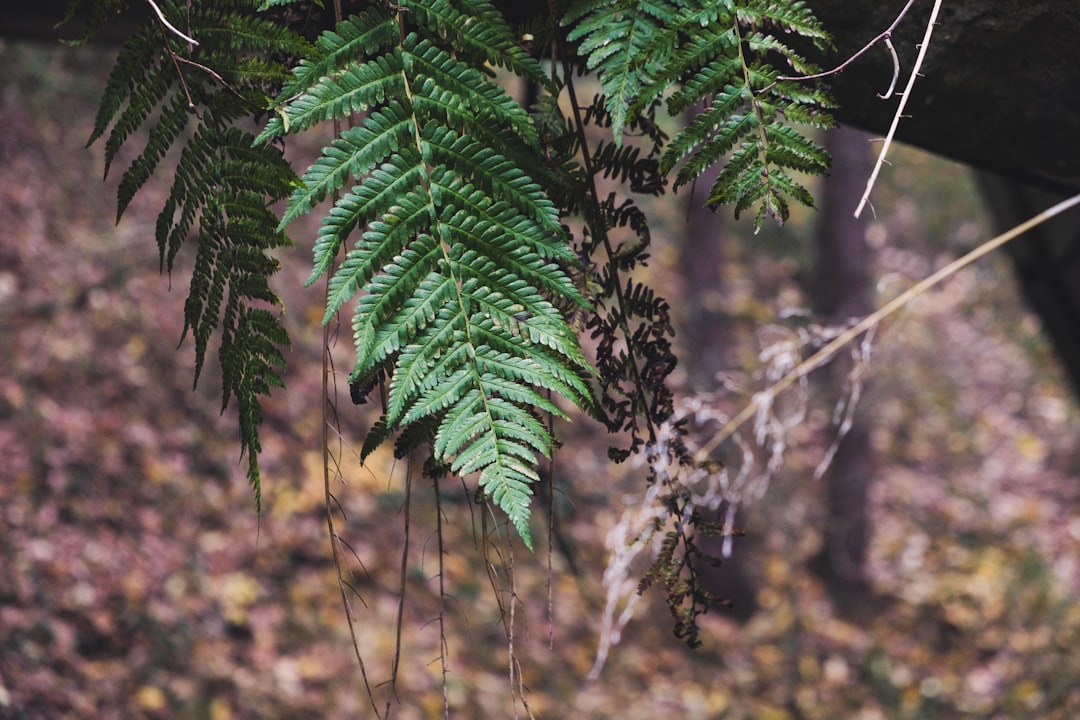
column 707, row 336
column 707, row 328
column 842, row 289
column 1046, row 259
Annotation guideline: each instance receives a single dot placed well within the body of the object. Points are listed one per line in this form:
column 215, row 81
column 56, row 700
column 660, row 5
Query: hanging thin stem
column 871, row 321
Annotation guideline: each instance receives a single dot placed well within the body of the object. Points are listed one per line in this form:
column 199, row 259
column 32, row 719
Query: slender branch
column 169, row 25
column 895, row 69
column 900, row 108
column 216, row 76
column 510, row 634
column 870, row 321
column 884, row 35
column 442, row 599
column 176, row 65
column 402, row 588
column 551, row 542
column 329, row 421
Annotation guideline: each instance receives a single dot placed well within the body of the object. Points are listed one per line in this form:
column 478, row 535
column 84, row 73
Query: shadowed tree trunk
column 842, row 289
column 1047, row 261
column 706, row 335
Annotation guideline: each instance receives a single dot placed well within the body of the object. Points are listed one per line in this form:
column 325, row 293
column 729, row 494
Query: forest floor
column 137, row 582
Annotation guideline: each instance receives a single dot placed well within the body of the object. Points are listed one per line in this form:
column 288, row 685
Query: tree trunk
column 843, row 290
column 1046, row 259
column 707, row 334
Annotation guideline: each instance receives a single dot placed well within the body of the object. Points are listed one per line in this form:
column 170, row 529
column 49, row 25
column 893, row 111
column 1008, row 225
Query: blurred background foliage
column 136, row 581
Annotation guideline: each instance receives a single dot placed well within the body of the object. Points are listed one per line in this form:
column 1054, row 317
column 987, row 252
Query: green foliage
column 717, row 54
column 460, row 254
column 713, row 56
column 224, row 186
column 445, row 232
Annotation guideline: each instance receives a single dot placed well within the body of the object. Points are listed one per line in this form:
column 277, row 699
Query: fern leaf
column 355, row 153
column 488, row 36
column 459, row 256
column 224, row 185
column 748, row 110
column 352, row 40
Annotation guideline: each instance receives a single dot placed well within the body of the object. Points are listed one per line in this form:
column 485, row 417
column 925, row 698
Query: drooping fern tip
column 166, row 93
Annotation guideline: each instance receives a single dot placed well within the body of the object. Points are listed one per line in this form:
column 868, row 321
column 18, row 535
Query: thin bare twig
column 402, row 588
column 870, row 321
column 169, row 25
column 900, row 108
column 329, row 418
column 176, row 65
column 216, row 76
column 442, row 600
column 884, row 35
column 895, row 69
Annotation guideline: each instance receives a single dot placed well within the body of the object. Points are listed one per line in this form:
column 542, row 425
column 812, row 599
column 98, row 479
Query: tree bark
column 842, row 290
column 1046, row 260
column 998, row 92
column 707, row 334
column 999, row 81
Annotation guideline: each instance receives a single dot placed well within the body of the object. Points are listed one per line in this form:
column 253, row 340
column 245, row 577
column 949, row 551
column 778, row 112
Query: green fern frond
column 224, row 185
column 478, row 30
column 100, row 13
column 720, row 54
column 790, row 17
column 620, row 42
column 267, row 4
column 749, row 110
column 460, row 255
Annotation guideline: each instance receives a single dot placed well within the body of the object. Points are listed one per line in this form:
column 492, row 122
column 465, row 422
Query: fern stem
column 601, row 230
column 762, row 136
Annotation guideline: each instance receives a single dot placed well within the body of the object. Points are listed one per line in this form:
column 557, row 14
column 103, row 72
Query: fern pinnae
column 377, row 338
column 374, row 250
column 171, row 123
column 461, row 425
column 353, row 40
column 384, row 187
column 356, row 152
column 490, row 39
column 619, row 41
column 500, row 178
